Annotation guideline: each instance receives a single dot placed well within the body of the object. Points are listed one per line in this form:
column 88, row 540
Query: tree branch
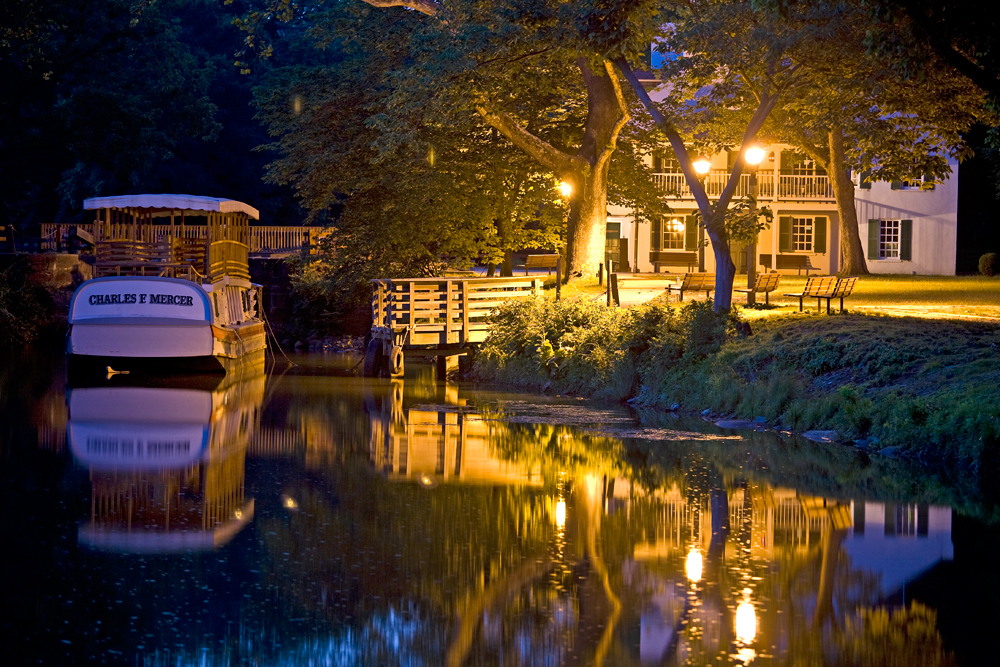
column 542, row 151
column 676, row 142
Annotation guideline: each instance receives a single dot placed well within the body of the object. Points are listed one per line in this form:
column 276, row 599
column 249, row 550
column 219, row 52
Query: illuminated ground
column 935, row 297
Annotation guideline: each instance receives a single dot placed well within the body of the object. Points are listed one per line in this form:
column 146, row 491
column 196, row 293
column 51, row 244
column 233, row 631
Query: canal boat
column 171, row 289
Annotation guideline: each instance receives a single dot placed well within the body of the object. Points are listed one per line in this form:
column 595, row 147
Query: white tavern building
column 905, row 228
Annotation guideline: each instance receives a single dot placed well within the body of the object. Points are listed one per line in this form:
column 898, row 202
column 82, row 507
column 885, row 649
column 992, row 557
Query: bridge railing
column 441, row 312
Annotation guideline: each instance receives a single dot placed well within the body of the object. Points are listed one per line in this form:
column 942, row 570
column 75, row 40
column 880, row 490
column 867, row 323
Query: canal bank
column 905, row 387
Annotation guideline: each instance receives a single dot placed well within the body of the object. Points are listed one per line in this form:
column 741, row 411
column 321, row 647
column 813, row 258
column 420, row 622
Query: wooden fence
column 441, row 312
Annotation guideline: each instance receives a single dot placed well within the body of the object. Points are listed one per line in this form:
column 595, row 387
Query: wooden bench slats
column 825, row 287
column 765, row 283
column 540, row 262
column 697, row 282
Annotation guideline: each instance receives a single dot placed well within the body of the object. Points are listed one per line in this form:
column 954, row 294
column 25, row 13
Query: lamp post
column 566, row 190
column 752, row 156
column 701, row 165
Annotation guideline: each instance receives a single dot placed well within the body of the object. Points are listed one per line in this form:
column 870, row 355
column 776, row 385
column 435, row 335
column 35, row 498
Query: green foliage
column 988, row 264
column 583, row 347
column 109, row 96
column 24, row 308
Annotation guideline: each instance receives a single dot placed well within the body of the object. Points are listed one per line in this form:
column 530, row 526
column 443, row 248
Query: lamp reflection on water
column 561, row 514
column 693, row 565
column 746, row 627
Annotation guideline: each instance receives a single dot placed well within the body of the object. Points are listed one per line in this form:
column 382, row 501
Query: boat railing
column 228, row 258
column 182, row 258
column 265, row 240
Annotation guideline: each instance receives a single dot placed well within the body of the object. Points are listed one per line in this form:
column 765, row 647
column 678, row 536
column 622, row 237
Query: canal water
column 311, row 517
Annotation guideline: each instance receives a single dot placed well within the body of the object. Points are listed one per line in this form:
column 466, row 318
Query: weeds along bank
column 928, row 387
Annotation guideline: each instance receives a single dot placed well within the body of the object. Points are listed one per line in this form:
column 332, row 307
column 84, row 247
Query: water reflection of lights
column 746, row 620
column 561, row 514
column 693, row 566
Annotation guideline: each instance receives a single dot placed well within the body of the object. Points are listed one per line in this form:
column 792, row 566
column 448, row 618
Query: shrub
column 587, row 348
column 988, row 264
column 24, row 308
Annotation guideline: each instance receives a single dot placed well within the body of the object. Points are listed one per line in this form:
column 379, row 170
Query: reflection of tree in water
column 358, row 545
column 462, row 574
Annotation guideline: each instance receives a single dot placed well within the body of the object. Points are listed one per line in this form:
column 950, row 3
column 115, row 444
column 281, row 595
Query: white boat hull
column 127, row 320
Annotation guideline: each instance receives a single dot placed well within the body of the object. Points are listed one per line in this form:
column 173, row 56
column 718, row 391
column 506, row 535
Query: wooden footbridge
column 440, row 317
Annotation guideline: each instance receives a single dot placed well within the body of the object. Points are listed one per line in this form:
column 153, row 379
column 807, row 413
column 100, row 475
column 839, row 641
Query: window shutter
column 929, row 182
column 690, row 233
column 819, row 235
column 785, row 234
column 906, row 240
column 655, row 235
column 896, row 185
column 866, row 180
column 873, row 229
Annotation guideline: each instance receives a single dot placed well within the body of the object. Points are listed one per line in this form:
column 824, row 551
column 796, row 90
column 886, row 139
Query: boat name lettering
column 110, row 299
column 171, row 300
column 163, row 299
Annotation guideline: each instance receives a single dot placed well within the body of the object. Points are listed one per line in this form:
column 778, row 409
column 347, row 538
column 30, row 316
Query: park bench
column 540, row 262
column 629, row 290
column 844, row 288
column 694, row 282
column 664, row 258
column 799, row 262
column 825, row 287
column 764, row 284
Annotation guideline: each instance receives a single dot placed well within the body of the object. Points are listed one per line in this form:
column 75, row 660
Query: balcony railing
column 790, row 186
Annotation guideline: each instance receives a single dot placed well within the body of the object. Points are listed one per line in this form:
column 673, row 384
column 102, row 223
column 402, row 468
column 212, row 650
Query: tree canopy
column 117, row 97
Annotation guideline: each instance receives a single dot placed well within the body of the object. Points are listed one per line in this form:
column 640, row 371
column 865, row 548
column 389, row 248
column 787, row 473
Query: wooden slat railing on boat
column 441, row 312
column 265, row 240
column 228, row 258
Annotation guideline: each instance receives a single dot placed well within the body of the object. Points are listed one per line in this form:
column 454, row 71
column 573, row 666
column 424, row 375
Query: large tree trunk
column 585, row 229
column 851, row 249
column 725, row 270
column 606, row 115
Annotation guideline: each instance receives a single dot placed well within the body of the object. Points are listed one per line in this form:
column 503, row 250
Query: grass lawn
column 935, row 297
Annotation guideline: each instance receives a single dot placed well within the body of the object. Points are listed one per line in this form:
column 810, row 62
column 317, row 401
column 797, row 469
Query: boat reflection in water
column 166, row 459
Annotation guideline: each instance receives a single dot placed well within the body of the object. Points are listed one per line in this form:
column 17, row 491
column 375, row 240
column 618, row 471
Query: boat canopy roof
column 172, row 202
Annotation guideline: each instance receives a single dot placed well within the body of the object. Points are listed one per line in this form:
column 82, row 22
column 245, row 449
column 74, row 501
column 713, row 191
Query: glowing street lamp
column 753, row 155
column 566, row 189
column 701, row 165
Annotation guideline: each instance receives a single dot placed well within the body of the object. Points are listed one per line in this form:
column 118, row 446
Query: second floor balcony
column 771, row 186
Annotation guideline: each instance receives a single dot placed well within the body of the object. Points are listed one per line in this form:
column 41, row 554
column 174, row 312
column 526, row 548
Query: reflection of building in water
column 898, row 541
column 166, row 462
column 445, row 445
column 820, row 549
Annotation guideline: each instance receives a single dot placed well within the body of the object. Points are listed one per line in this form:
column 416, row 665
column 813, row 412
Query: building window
column 888, row 239
column 666, row 163
column 673, row 234
column 802, row 234
column 923, row 183
column 678, row 233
